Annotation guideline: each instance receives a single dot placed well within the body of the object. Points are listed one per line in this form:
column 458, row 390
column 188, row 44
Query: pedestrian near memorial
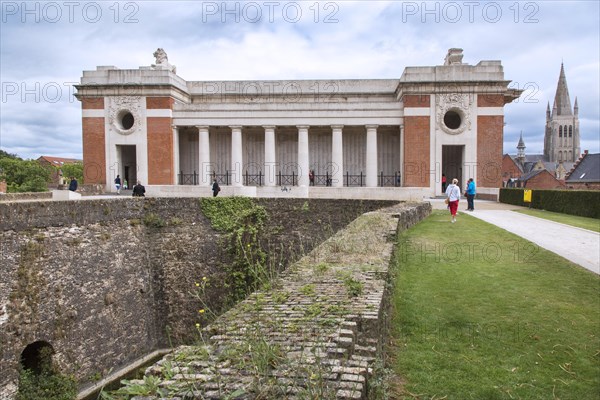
column 73, row 184
column 471, row 191
column 139, row 190
column 453, row 196
column 215, row 187
column 118, row 184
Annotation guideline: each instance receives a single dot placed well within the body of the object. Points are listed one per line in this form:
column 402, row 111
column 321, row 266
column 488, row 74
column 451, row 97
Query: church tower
column 521, row 150
column 561, row 140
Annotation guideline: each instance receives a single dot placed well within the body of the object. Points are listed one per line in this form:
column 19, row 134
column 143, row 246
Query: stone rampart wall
column 90, row 278
column 316, row 333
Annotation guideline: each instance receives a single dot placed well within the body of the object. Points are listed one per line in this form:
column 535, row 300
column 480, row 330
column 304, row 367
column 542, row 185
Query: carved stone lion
column 162, row 61
column 161, row 56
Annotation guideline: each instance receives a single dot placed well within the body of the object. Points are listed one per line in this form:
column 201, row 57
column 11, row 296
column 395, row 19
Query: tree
column 4, row 154
column 23, row 175
column 73, row 169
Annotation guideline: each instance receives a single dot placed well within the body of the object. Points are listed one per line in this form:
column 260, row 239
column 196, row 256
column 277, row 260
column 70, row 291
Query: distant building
column 561, row 147
column 56, row 175
column 561, row 140
column 531, row 171
column 585, row 173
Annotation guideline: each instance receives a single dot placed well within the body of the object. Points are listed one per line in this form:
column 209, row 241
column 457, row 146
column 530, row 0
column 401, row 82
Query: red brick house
column 56, row 176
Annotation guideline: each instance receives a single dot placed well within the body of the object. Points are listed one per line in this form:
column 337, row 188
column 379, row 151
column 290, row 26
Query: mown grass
column 480, row 313
column 591, row 224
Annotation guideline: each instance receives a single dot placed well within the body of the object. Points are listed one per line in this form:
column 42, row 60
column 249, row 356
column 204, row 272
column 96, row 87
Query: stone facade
column 100, row 287
column 369, row 135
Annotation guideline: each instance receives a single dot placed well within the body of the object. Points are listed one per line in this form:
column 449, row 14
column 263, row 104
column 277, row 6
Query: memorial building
column 361, row 138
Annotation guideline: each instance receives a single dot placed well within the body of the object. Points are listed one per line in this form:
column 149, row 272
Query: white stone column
column 270, row 156
column 371, row 155
column 337, row 156
column 236, row 156
column 303, row 161
column 401, row 155
column 204, row 167
column 176, row 164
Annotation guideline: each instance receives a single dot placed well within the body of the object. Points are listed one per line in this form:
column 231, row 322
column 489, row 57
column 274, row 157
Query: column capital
column 337, row 126
column 302, row 126
column 233, row 127
column 268, row 127
column 371, row 126
column 202, row 127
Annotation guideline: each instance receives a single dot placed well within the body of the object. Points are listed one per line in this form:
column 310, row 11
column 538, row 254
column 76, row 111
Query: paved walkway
column 575, row 244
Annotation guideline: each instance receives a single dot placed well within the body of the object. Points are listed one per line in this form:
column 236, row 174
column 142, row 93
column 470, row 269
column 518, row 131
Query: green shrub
column 154, row 221
column 584, row 203
column 48, row 385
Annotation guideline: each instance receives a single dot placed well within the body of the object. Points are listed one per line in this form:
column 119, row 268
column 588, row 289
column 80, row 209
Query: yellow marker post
column 527, row 196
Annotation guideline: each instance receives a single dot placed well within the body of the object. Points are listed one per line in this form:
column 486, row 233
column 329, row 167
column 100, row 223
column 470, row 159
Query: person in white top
column 453, row 194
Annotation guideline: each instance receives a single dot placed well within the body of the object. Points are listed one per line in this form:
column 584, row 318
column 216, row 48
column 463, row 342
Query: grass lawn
column 480, row 313
column 591, row 224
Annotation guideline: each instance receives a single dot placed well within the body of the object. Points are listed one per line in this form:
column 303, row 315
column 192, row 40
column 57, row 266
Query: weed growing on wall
column 242, row 220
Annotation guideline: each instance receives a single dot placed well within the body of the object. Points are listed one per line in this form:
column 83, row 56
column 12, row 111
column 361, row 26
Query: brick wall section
column 101, row 287
column 92, row 103
column 490, row 100
column 416, row 151
column 160, row 143
column 509, row 169
column 416, row 100
column 583, row 186
column 544, row 180
column 154, row 103
column 160, row 151
column 490, row 131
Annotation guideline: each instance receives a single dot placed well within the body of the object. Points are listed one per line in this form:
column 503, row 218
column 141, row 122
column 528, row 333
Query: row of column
column 337, row 154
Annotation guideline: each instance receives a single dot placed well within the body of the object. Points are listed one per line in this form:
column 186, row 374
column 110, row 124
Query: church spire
column 562, row 102
column 576, row 108
column 521, row 149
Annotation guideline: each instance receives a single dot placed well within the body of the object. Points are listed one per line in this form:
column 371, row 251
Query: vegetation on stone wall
column 242, row 220
column 47, row 383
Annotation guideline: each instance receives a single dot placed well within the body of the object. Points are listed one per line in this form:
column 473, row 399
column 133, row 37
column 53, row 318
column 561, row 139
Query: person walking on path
column 443, row 183
column 471, row 191
column 118, row 184
column 215, row 188
column 453, row 194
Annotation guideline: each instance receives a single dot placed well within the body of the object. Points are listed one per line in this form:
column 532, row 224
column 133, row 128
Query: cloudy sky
column 45, row 46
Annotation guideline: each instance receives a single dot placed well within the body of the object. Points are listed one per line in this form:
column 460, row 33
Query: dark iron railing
column 389, row 180
column 223, row 179
column 354, row 180
column 287, row 180
column 253, row 179
column 322, row 180
column 187, row 179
